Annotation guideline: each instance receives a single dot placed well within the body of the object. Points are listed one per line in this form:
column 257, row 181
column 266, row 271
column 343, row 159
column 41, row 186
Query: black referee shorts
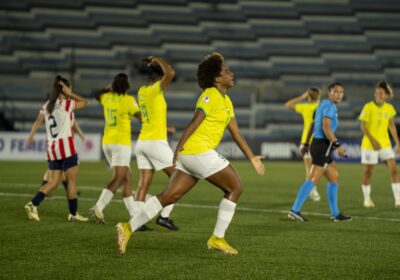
column 321, row 150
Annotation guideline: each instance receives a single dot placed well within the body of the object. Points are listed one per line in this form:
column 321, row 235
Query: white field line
column 186, row 205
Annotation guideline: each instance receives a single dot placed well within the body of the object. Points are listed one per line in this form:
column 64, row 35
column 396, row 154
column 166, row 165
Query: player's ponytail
column 56, row 91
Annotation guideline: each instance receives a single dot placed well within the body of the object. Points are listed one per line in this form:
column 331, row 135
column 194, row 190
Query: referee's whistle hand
column 341, row 152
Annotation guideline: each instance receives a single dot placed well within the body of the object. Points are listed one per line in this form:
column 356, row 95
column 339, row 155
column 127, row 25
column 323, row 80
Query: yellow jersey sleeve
column 365, row 112
column 299, row 108
column 204, row 102
column 132, row 106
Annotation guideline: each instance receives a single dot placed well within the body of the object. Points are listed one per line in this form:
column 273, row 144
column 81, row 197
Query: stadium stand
column 275, row 48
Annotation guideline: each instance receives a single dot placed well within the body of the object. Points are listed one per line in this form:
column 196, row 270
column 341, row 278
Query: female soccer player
column 61, row 152
column 196, row 158
column 323, row 144
column 376, row 119
column 152, row 149
column 306, row 110
column 36, row 125
column 119, row 108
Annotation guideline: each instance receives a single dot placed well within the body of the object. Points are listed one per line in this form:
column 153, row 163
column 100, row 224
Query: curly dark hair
column 153, row 71
column 209, row 68
column 120, row 84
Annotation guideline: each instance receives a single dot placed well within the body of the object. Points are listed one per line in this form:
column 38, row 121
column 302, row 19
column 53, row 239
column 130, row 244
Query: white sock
column 167, row 211
column 226, row 210
column 396, row 191
column 149, row 210
column 130, row 205
column 138, row 206
column 104, row 199
column 366, row 189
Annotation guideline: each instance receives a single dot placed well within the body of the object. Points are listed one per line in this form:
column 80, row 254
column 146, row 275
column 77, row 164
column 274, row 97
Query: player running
column 119, row 107
column 152, row 150
column 196, row 158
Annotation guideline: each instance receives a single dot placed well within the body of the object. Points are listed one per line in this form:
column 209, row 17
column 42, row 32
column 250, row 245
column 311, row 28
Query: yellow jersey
column 306, row 110
column 118, row 111
column 154, row 112
column 219, row 111
column 377, row 120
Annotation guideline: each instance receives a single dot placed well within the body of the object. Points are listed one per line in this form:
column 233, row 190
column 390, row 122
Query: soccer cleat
column 368, row 203
column 314, row 195
column 296, row 216
column 97, row 215
column 340, row 218
column 31, row 210
column 124, row 233
column 143, row 228
column 220, row 244
column 77, row 217
column 167, row 223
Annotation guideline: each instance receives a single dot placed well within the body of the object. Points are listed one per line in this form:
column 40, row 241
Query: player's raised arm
column 80, row 101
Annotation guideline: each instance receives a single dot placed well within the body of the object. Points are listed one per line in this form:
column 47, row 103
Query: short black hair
column 209, row 68
column 120, row 84
column 331, row 86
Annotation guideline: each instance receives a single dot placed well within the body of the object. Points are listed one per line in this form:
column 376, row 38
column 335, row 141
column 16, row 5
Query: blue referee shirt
column 326, row 109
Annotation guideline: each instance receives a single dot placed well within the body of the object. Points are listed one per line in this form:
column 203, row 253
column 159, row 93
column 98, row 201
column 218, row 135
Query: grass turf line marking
column 244, row 209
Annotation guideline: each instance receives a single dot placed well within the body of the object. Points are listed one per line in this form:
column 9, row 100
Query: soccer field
column 270, row 245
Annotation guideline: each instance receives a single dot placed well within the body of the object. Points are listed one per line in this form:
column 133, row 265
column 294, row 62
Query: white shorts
column 372, row 156
column 202, row 165
column 117, row 155
column 153, row 154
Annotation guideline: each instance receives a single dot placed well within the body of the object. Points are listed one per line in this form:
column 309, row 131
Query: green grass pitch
column 270, row 245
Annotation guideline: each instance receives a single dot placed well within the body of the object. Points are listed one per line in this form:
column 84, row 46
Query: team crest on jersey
column 206, row 99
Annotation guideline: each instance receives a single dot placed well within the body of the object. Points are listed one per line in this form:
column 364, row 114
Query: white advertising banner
column 13, row 146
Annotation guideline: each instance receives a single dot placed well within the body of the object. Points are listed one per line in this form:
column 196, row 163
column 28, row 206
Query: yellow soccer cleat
column 124, row 233
column 77, row 218
column 31, row 210
column 220, row 244
column 96, row 214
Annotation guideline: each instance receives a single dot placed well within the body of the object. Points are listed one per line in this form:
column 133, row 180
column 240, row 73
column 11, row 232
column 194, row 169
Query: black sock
column 73, row 206
column 44, row 182
column 37, row 199
column 65, row 184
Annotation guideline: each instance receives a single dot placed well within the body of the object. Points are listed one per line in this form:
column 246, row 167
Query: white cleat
column 31, row 210
column 77, row 217
column 97, row 215
column 314, row 195
column 369, row 203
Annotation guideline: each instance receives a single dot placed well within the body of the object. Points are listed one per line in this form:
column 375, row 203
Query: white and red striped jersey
column 60, row 139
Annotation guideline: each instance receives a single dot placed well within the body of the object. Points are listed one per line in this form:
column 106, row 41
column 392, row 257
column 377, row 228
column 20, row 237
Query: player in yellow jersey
column 377, row 117
column 119, row 108
column 152, row 150
column 306, row 110
column 196, row 158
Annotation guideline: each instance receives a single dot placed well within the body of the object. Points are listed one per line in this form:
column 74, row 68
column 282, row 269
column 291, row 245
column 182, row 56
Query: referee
column 324, row 143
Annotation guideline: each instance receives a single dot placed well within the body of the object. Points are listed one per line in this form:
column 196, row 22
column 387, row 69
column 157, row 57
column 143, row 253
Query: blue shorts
column 64, row 164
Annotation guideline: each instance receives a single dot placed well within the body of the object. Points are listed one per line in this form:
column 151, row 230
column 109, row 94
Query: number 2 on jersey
column 112, row 117
column 52, row 126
